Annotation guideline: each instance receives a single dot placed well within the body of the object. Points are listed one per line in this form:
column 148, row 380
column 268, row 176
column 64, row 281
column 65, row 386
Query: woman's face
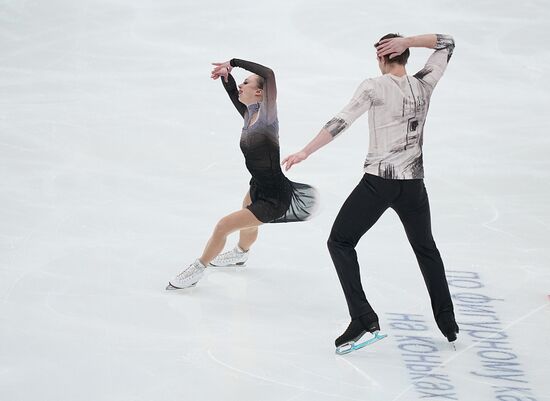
column 249, row 93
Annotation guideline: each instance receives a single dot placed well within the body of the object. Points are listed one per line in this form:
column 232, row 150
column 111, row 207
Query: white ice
column 118, row 154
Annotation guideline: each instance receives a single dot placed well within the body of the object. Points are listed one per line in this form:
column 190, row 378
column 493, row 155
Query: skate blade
column 170, row 287
column 232, row 265
column 353, row 346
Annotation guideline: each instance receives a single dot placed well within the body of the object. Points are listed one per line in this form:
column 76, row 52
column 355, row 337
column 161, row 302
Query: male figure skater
column 397, row 105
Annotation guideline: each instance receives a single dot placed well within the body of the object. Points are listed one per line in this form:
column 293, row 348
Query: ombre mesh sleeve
column 231, row 88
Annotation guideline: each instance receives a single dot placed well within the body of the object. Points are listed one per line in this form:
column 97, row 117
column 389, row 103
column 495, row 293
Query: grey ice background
column 118, row 154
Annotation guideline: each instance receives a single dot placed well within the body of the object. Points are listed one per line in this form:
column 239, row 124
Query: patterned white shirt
column 397, row 109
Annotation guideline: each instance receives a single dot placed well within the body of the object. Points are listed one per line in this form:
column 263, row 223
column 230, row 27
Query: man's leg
column 413, row 209
column 359, row 212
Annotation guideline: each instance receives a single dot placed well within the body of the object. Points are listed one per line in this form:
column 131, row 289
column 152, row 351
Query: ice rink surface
column 118, row 154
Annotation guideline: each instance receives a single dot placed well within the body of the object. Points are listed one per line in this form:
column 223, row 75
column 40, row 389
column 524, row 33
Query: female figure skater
column 272, row 198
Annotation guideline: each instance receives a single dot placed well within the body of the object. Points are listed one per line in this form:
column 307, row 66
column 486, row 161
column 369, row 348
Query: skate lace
column 192, row 269
column 229, row 255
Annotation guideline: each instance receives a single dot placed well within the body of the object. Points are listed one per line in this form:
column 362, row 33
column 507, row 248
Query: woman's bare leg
column 241, row 220
column 247, row 236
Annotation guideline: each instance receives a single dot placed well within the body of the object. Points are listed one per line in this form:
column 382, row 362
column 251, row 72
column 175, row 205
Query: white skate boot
column 187, row 278
column 234, row 257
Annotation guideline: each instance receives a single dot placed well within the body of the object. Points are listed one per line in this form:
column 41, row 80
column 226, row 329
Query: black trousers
column 368, row 201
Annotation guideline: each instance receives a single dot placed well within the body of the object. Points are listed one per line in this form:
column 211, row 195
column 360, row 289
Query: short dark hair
column 402, row 58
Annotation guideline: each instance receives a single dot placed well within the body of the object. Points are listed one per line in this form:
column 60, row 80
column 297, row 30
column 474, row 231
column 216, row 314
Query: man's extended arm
column 359, row 104
column 322, row 138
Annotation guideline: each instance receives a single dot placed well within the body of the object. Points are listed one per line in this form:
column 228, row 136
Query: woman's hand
column 221, row 70
column 293, row 159
column 215, row 74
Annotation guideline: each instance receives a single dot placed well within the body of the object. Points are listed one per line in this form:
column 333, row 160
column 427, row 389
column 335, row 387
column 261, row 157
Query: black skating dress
column 275, row 199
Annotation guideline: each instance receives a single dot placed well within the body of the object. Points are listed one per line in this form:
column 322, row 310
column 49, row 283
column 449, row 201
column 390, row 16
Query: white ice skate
column 234, row 257
column 187, row 278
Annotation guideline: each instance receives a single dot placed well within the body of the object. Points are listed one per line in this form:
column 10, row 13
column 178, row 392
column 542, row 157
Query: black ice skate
column 355, row 337
column 449, row 328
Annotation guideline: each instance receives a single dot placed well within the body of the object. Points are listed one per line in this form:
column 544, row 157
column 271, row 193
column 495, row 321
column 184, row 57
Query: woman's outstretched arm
column 230, row 87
